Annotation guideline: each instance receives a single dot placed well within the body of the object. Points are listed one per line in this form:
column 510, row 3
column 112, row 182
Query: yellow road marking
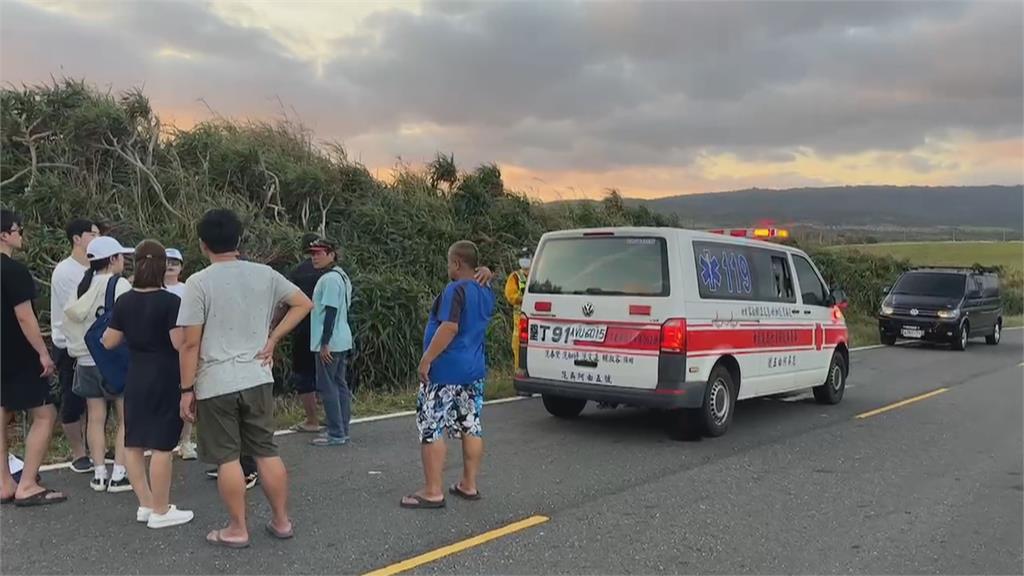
column 458, row 546
column 902, row 403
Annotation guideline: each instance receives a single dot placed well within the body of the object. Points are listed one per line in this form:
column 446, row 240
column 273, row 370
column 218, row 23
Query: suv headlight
column 948, row 313
column 887, row 310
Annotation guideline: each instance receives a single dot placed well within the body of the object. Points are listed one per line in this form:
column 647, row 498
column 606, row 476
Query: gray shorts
column 89, row 383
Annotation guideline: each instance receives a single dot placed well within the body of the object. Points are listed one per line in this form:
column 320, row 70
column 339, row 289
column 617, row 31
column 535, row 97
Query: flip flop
column 40, row 499
column 215, row 539
column 306, row 430
column 280, row 535
column 7, row 500
column 456, row 490
column 422, row 502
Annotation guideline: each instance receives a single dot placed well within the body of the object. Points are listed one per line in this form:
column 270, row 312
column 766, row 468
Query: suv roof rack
column 978, row 269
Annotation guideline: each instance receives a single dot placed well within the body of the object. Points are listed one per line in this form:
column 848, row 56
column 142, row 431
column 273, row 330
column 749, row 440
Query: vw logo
column 914, row 311
column 588, row 309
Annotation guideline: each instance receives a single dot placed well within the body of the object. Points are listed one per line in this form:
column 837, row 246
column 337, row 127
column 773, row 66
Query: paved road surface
column 932, row 487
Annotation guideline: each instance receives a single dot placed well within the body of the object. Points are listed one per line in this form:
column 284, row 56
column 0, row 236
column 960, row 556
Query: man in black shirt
column 25, row 369
column 305, row 276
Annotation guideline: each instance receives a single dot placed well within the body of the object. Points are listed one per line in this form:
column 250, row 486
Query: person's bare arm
column 30, row 328
column 279, row 314
column 188, row 359
column 446, row 332
column 112, row 338
column 177, row 335
column 298, row 308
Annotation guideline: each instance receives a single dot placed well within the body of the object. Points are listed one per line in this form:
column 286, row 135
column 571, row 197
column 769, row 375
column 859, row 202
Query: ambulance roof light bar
column 757, row 233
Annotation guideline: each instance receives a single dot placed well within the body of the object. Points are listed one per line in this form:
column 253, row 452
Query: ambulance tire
column 562, row 407
column 832, row 390
column 889, row 340
column 713, row 418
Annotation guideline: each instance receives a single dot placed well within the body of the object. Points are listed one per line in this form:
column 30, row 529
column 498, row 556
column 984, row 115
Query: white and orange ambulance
column 678, row 319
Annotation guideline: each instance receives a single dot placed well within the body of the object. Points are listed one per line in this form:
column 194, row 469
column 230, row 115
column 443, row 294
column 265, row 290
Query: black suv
column 942, row 305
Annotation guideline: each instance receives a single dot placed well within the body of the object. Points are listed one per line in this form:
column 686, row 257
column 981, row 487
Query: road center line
column 457, row 547
column 901, row 403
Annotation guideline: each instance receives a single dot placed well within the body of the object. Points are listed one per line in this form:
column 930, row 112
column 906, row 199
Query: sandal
column 7, row 500
column 40, row 499
column 301, row 427
column 457, row 490
column 421, row 502
column 280, row 535
column 215, row 539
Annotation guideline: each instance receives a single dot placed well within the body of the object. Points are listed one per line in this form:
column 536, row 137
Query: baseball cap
column 105, row 247
column 322, row 245
column 174, row 254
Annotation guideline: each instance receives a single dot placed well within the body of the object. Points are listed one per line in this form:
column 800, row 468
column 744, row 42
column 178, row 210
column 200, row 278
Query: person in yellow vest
column 515, row 287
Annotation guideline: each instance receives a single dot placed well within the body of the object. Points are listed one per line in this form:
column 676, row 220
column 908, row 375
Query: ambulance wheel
column 715, row 414
column 889, row 340
column 831, row 392
column 561, row 407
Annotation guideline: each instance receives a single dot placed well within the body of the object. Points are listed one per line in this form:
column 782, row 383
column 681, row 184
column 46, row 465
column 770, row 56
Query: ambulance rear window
column 602, row 266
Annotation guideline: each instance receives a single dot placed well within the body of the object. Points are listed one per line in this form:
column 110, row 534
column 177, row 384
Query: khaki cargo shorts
column 235, row 424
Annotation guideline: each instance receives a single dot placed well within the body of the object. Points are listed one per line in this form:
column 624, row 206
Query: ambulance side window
column 782, row 279
column 811, row 288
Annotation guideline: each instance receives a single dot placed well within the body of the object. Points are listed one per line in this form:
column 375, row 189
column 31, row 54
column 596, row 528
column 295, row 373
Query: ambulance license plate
column 567, row 333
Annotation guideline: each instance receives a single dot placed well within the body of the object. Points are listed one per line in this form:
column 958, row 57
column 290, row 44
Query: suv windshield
column 601, row 266
column 931, row 284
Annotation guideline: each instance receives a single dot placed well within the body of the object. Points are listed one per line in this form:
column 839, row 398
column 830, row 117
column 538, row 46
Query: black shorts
column 304, row 381
column 72, row 406
column 24, row 390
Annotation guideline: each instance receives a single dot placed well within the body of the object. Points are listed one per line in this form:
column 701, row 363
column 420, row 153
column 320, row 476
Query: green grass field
column 1009, row 255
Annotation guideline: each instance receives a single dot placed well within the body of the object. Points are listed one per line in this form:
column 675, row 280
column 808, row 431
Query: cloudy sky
column 570, row 98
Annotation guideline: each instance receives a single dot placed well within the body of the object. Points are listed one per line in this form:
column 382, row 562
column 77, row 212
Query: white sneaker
column 143, row 514
column 99, row 484
column 188, row 451
column 174, row 517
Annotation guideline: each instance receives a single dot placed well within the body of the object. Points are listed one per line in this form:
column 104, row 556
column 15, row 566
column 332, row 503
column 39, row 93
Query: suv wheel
column 888, row 340
column 997, row 334
column 562, row 407
column 962, row 336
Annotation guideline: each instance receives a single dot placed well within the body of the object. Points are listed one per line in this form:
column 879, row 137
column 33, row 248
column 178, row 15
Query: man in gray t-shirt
column 226, row 379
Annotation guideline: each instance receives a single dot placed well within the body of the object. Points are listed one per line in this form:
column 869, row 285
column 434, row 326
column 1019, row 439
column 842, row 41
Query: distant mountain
column 855, row 206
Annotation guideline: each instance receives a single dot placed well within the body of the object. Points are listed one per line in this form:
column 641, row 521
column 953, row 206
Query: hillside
column 854, row 206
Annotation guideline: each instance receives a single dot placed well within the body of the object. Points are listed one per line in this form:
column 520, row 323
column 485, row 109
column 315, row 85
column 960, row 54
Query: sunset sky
column 571, row 98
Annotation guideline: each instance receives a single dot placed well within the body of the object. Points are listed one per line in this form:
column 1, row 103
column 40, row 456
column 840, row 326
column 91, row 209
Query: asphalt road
column 934, row 486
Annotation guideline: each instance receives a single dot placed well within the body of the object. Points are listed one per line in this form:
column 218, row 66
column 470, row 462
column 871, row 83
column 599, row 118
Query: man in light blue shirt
column 331, row 340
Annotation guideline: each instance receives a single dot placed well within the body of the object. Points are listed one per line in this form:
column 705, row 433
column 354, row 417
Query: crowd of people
column 159, row 355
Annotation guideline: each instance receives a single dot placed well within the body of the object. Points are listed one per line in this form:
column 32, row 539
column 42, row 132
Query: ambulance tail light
column 542, row 306
column 524, row 330
column 673, row 336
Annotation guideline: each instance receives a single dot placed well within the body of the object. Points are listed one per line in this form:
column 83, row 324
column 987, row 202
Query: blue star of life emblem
column 710, row 271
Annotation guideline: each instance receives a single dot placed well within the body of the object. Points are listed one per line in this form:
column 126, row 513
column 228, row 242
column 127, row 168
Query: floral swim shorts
column 451, row 408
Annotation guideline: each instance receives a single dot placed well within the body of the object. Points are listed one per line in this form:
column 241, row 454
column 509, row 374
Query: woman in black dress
column 145, row 319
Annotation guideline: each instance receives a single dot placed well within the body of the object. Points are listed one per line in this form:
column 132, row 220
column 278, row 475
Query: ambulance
column 678, row 320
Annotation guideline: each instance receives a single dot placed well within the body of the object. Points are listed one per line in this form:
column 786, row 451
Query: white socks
column 119, row 472
column 100, row 472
